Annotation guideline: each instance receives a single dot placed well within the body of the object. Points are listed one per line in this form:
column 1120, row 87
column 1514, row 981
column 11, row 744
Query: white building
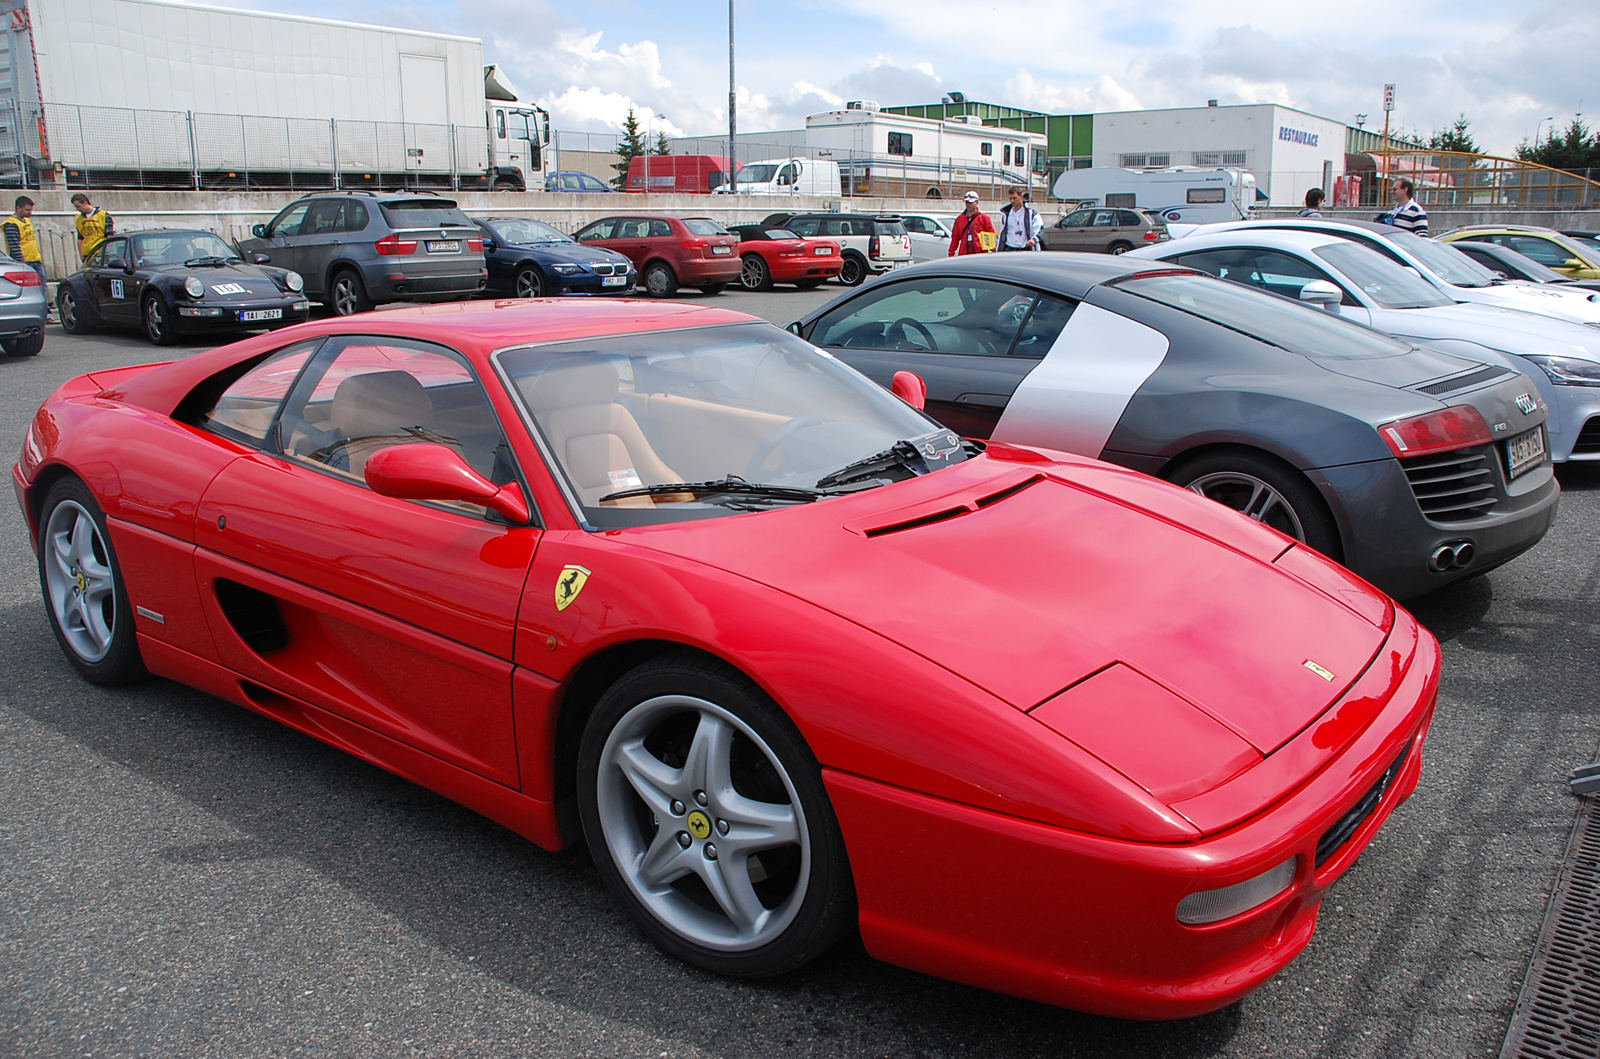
column 1288, row 150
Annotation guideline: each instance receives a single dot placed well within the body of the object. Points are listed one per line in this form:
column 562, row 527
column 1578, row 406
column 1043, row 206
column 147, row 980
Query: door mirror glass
column 430, row 471
column 258, row 230
column 794, row 328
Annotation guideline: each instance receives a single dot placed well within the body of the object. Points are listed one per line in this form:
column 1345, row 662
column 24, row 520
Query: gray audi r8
column 1412, row 466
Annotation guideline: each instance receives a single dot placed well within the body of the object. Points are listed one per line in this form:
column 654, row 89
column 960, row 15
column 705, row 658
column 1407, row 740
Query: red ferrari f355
column 791, row 657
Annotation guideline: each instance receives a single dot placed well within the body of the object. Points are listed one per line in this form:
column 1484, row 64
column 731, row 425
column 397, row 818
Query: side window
column 500, row 124
column 1076, row 219
column 788, row 175
column 288, row 222
column 1042, row 329
column 97, row 258
column 324, row 217
column 598, row 230
column 570, row 182
column 1006, row 154
column 114, row 248
column 355, row 217
column 1266, row 269
column 364, row 394
column 986, row 149
column 1541, row 250
column 1104, row 219
column 935, row 315
column 248, row 407
column 804, row 226
column 1128, row 219
column 660, row 229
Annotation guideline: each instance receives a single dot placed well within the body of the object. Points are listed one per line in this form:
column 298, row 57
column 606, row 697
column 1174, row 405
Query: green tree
column 1577, row 150
column 631, row 146
column 1457, row 137
column 662, row 146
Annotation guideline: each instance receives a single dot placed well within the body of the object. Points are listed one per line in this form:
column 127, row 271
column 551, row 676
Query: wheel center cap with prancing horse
column 699, row 824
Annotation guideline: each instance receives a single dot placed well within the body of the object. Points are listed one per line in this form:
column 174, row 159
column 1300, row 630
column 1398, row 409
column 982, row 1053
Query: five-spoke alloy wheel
column 1273, row 494
column 709, row 822
column 83, row 589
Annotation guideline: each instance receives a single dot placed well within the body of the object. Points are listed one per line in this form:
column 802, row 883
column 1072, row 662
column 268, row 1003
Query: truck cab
column 519, row 140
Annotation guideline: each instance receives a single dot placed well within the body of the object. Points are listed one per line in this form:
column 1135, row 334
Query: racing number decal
column 117, row 290
column 228, row 288
column 568, row 584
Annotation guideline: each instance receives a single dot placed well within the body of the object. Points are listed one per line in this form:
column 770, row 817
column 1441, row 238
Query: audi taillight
column 393, row 245
column 1452, row 428
column 25, row 278
column 694, row 244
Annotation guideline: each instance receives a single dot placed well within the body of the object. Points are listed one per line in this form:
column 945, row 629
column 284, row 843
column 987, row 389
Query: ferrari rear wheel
column 755, row 275
column 1273, row 494
column 83, row 588
column 71, row 311
column 158, row 325
column 708, row 820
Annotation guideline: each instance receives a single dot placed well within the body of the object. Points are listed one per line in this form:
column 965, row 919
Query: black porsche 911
column 172, row 282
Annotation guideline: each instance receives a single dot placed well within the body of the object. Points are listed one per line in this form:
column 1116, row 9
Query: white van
column 787, row 176
column 1181, row 194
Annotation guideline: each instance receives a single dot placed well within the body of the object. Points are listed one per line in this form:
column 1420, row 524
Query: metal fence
column 68, row 146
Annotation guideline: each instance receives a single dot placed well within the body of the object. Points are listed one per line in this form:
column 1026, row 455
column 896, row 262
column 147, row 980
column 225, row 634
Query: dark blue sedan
column 530, row 259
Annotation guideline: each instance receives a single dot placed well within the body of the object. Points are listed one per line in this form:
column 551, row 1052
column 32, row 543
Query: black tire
column 1242, row 478
column 808, row 284
column 73, row 313
column 854, row 272
column 529, row 283
column 659, row 280
column 67, row 566
column 804, row 887
column 754, row 274
column 713, row 288
column 23, row 345
column 1119, row 248
column 158, row 321
column 505, row 184
column 347, row 294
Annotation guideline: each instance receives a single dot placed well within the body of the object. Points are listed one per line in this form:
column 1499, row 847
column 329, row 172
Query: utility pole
column 1383, row 185
column 733, row 103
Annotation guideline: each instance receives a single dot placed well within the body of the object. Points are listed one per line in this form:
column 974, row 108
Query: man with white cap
column 973, row 232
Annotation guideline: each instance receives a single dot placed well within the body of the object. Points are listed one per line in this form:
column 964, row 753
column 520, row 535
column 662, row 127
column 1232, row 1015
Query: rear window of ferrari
column 1265, row 317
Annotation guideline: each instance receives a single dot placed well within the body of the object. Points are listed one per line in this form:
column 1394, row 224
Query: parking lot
column 184, row 877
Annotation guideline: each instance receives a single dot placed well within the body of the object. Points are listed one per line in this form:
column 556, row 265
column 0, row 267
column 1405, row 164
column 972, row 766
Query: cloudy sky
column 1505, row 64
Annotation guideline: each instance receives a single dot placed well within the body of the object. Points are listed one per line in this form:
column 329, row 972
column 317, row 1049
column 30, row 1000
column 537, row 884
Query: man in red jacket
column 967, row 234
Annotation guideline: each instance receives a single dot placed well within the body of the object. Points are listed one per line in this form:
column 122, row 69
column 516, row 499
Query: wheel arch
column 1336, row 513
column 337, row 266
column 44, row 480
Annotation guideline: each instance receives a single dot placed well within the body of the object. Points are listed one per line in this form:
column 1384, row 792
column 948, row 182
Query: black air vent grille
column 1452, row 486
column 1588, row 438
column 1346, row 825
column 254, row 615
column 1461, row 382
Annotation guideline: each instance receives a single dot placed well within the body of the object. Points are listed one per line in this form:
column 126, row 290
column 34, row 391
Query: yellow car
column 1571, row 257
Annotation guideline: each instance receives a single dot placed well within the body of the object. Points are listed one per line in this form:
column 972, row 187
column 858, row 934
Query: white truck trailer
column 154, row 93
column 892, row 154
column 1181, row 194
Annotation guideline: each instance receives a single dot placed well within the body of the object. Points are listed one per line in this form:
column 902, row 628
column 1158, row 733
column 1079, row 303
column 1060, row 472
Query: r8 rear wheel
column 84, row 593
column 708, row 820
column 1266, row 490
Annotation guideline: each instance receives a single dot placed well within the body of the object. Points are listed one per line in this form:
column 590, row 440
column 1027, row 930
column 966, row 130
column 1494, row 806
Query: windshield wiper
column 732, row 484
column 900, row 454
column 212, row 260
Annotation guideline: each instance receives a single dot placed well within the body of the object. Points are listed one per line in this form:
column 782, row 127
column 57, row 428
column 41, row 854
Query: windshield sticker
column 627, row 478
column 568, row 584
column 938, row 449
column 227, row 288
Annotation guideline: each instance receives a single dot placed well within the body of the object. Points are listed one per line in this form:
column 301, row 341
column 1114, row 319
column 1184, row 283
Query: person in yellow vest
column 94, row 224
column 22, row 242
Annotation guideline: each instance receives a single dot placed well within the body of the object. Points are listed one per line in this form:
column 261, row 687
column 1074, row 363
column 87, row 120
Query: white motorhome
column 786, row 176
column 897, row 155
column 161, row 93
column 1181, row 194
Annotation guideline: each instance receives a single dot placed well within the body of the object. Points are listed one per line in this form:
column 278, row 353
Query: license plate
column 822, row 251
column 444, row 246
column 1525, row 451
column 260, row 314
column 613, row 281
column 897, row 264
column 722, row 250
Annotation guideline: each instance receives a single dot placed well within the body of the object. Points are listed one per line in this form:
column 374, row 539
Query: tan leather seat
column 373, row 411
column 595, row 438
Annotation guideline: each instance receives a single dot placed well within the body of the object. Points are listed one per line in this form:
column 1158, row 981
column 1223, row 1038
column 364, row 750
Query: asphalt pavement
column 181, row 877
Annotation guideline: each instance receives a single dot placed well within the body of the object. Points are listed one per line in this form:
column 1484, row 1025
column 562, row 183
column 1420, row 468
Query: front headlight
column 194, row 288
column 294, row 281
column 1568, row 371
column 567, row 269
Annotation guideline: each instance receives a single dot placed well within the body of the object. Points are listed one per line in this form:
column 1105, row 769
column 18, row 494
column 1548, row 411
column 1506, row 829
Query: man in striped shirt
column 1407, row 212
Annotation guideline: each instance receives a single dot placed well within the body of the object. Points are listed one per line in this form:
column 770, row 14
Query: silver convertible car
column 1412, row 466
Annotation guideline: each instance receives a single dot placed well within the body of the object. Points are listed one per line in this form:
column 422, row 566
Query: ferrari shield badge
column 568, row 584
column 1318, row 670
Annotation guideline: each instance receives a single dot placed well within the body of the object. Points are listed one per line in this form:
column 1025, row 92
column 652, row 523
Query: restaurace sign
column 1309, row 139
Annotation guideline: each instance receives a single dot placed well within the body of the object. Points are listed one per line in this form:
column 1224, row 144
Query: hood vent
column 945, row 515
column 1010, row 491
column 1461, row 382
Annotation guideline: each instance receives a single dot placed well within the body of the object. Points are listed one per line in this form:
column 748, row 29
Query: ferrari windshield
column 177, row 248
column 1444, row 260
column 1268, row 317
column 526, row 231
column 747, row 415
column 1390, row 285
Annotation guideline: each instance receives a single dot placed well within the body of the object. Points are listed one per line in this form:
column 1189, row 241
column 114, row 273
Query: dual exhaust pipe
column 1452, row 555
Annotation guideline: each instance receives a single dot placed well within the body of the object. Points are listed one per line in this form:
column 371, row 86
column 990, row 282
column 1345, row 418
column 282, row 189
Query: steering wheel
column 770, row 443
column 906, row 321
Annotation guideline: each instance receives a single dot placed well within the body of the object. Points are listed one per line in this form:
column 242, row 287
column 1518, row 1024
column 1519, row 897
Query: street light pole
column 733, row 103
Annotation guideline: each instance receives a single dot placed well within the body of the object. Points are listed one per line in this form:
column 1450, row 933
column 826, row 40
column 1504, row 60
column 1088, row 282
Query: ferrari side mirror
column 909, row 387
column 428, row 471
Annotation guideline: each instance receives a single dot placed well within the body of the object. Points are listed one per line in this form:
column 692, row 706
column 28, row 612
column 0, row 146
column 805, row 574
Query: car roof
column 1312, row 225
column 1070, row 274
column 1249, row 235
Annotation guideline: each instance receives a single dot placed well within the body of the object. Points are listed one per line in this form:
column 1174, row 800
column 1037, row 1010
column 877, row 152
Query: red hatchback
column 777, row 255
column 670, row 251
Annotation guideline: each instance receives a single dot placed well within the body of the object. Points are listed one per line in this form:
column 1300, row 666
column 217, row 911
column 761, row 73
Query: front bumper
column 202, row 318
column 1089, row 922
column 590, row 284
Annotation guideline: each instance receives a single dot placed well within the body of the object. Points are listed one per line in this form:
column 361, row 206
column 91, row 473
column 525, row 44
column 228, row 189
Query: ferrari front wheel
column 708, row 820
column 83, row 588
